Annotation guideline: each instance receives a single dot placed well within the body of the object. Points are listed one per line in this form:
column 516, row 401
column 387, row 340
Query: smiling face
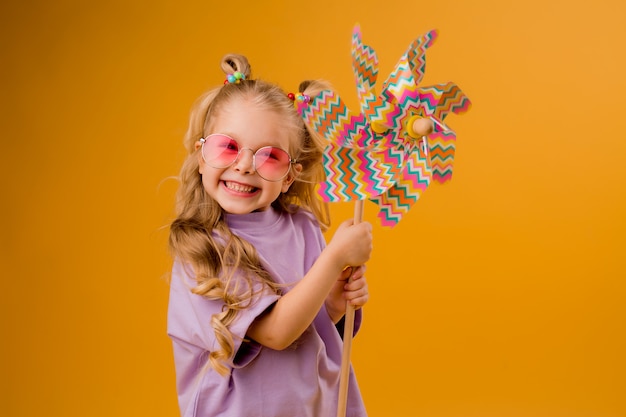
column 238, row 189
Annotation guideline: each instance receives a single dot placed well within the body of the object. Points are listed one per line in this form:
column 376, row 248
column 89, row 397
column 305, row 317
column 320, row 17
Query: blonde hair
column 200, row 236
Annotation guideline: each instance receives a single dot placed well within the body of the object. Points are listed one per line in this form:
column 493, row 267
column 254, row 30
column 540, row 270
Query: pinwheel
column 389, row 151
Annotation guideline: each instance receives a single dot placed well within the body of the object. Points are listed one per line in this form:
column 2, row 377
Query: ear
column 291, row 177
column 198, row 145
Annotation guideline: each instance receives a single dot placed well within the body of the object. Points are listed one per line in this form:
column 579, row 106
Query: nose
column 245, row 161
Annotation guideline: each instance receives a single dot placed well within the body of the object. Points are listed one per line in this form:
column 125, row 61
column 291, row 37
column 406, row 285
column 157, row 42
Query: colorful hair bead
column 303, row 98
column 234, row 78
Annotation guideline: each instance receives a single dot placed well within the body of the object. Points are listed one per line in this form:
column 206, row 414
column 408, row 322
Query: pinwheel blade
column 410, row 184
column 442, row 148
column 354, row 173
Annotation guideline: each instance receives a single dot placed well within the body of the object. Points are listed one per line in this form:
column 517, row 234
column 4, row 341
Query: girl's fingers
column 357, row 272
column 360, row 300
column 357, row 293
column 355, row 283
column 346, row 273
column 355, row 287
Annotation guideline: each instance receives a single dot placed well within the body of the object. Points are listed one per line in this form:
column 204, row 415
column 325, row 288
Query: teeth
column 240, row 188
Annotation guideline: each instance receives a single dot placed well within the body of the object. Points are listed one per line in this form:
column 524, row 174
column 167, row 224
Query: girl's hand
column 351, row 244
column 351, row 287
column 325, row 283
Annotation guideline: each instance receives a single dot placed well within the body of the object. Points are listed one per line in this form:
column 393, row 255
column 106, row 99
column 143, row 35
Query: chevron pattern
column 370, row 155
column 416, row 54
column 354, row 173
column 442, row 147
column 441, row 99
column 415, row 178
column 328, row 115
column 364, row 65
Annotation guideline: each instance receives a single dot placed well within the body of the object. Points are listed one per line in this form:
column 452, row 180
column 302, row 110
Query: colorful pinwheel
column 378, row 154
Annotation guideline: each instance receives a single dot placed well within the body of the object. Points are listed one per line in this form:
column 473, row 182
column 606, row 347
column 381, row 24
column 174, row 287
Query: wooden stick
column 348, row 330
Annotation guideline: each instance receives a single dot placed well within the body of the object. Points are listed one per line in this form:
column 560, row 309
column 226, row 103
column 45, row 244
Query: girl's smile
column 239, row 188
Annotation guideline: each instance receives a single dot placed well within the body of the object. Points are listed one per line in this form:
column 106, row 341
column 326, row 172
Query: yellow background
column 500, row 294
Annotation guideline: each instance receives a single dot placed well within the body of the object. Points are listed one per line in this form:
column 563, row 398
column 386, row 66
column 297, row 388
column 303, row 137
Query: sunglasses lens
column 272, row 163
column 219, row 151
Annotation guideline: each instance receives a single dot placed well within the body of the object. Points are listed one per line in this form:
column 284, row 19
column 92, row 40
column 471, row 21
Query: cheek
column 209, row 177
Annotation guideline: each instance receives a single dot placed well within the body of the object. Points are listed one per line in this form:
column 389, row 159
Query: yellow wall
column 501, row 294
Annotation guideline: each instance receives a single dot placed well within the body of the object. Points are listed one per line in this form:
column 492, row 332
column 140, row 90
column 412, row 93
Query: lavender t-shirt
column 302, row 380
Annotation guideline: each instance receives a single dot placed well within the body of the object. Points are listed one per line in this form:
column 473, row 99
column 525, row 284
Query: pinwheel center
column 418, row 126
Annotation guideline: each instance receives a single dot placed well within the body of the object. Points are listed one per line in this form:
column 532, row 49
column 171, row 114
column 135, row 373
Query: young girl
column 257, row 297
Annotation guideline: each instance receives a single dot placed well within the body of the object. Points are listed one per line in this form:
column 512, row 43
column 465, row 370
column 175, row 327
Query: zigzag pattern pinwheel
column 364, row 64
column 329, row 116
column 441, row 99
column 354, row 173
column 397, row 200
column 372, row 155
column 416, row 54
column 442, row 148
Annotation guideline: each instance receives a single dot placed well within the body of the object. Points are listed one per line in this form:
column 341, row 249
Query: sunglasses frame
column 254, row 154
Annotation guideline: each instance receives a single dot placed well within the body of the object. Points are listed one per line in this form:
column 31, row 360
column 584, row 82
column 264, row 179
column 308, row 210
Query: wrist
column 334, row 313
column 333, row 259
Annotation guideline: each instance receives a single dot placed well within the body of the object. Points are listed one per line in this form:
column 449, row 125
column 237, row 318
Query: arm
column 279, row 327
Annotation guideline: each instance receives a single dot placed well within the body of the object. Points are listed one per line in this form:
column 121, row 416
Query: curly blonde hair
column 200, row 236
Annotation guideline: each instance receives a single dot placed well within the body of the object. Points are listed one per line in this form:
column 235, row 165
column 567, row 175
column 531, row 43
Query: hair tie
column 234, row 78
column 303, row 98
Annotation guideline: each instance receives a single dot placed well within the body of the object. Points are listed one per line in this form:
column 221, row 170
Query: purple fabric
column 302, row 380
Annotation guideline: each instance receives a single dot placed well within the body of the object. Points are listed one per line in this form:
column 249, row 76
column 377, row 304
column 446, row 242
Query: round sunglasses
column 221, row 151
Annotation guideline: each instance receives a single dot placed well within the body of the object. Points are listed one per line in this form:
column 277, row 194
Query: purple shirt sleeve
column 189, row 327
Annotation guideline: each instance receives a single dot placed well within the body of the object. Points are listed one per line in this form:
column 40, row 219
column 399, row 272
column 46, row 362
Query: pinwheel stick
column 348, row 330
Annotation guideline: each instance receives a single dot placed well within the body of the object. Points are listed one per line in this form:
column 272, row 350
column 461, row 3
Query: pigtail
column 302, row 192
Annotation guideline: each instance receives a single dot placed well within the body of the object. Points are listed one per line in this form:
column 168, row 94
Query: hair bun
column 232, row 63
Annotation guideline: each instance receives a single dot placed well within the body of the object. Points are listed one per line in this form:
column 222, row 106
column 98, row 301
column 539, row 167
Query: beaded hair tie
column 299, row 97
column 234, row 78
